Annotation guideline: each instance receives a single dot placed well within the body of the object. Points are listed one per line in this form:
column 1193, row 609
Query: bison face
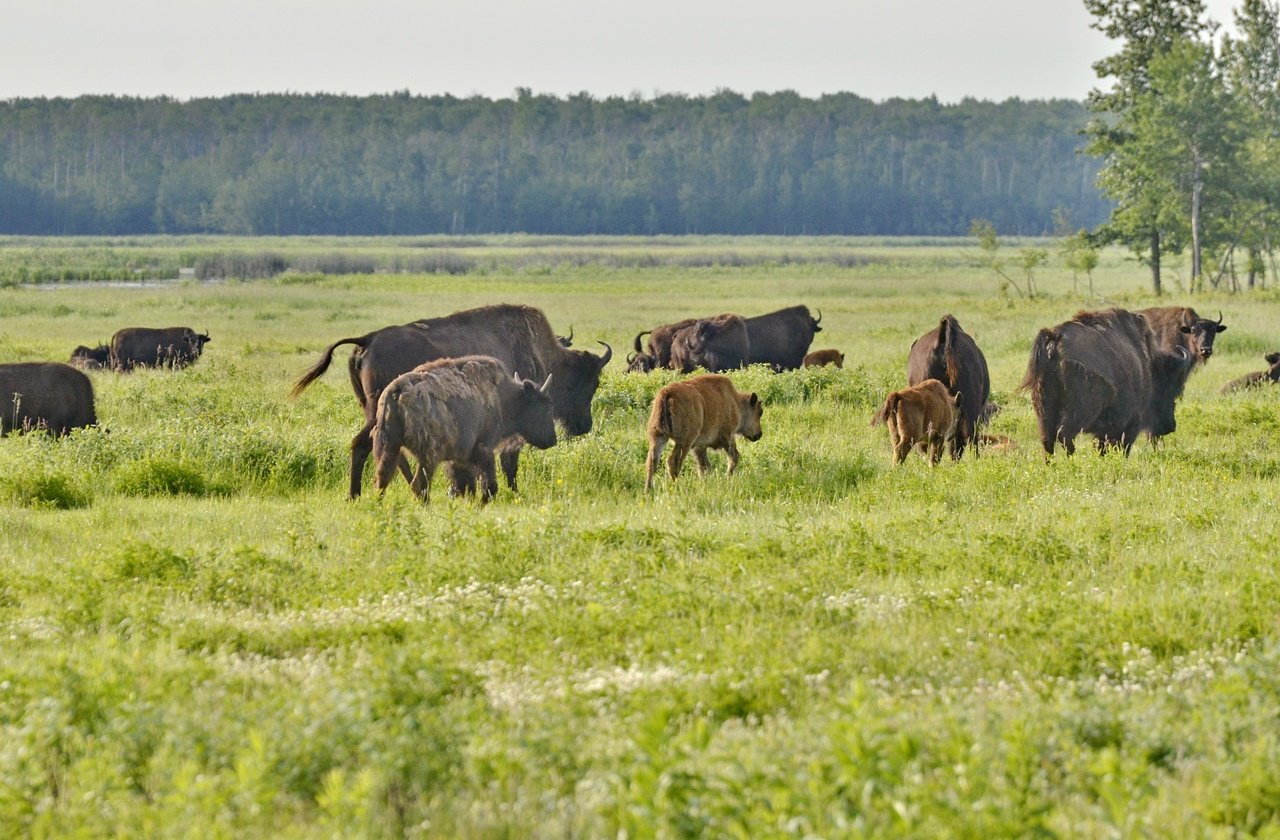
column 573, row 386
column 749, row 422
column 1201, row 335
column 536, row 421
column 641, row 363
column 1273, row 373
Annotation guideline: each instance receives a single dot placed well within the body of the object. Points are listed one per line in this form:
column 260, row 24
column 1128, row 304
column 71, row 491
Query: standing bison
column 1104, row 373
column 1180, row 326
column 47, row 396
column 924, row 415
column 821, row 358
column 517, row 336
column 173, row 347
column 657, row 353
column 715, row 344
column 457, row 410
column 950, row 355
column 781, row 339
column 701, row 413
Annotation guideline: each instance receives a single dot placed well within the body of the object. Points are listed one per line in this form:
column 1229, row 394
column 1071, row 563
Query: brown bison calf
column 1257, row 379
column 701, row 413
column 818, row 358
column 923, row 415
column 458, row 410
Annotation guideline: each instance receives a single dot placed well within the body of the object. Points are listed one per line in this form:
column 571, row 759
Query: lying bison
column 1257, row 379
column 1104, row 373
column 950, row 355
column 714, row 344
column 821, row 358
column 924, row 415
column 457, row 410
column 173, row 347
column 91, row 358
column 701, row 413
column 47, row 396
column 518, row 336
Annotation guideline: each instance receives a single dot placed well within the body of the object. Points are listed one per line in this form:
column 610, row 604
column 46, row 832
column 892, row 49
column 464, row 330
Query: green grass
column 201, row 636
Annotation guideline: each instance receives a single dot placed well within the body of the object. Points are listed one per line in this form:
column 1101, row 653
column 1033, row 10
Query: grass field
column 201, row 637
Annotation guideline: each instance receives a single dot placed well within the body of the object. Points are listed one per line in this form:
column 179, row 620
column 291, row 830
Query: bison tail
column 889, row 409
column 321, row 366
column 638, row 337
column 1041, row 363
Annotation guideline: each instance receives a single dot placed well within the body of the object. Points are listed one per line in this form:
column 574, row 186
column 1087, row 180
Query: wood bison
column 518, row 336
column 1104, row 373
column 819, row 358
column 91, row 358
column 950, row 355
column 47, row 396
column 457, row 410
column 701, row 413
column 1257, row 379
column 657, row 354
column 924, row 415
column 781, row 339
column 1180, row 326
column 715, row 344
column 173, row 347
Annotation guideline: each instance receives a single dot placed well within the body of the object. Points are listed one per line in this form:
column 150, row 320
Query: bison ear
column 1222, row 327
column 1184, row 328
column 755, row 400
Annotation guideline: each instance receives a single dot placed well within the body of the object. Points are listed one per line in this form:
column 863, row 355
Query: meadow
column 199, row 635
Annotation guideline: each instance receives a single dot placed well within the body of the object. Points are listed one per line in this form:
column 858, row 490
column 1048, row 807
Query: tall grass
column 203, row 637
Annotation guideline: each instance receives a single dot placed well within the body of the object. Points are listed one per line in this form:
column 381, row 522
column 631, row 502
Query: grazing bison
column 1257, row 379
column 518, row 336
column 457, row 410
column 658, row 352
column 716, row 344
column 819, row 358
column 924, row 415
column 1180, row 326
column 641, row 362
column 91, row 358
column 1104, row 373
column 781, row 339
column 699, row 413
column 156, row 347
column 45, row 395
column 950, row 355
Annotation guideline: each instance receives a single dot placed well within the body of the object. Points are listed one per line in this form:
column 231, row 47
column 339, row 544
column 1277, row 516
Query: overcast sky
column 989, row 49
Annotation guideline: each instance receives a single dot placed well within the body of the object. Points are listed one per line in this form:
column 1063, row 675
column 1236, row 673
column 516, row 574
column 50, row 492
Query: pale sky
column 988, row 49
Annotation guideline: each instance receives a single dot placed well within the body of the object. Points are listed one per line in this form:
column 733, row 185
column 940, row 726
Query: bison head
column 566, row 340
column 1200, row 335
column 535, row 417
column 575, row 378
column 750, row 410
column 640, row 363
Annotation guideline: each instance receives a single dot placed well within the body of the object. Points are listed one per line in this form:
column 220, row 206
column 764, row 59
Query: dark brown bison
column 820, row 358
column 1180, row 326
column 715, row 344
column 701, row 413
column 457, row 410
column 518, row 336
column 781, row 339
column 174, row 347
column 1104, row 373
column 47, row 396
column 658, row 352
column 924, row 415
column 1257, row 379
column 950, row 355
column 91, row 358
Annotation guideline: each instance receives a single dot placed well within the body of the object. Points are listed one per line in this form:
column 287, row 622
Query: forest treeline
column 401, row 164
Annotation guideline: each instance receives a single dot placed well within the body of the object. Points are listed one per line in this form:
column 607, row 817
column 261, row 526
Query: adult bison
column 950, row 355
column 90, row 358
column 716, row 344
column 48, row 396
column 457, row 410
column 1180, row 326
column 657, row 353
column 518, row 336
column 1257, row 379
column 174, row 347
column 781, row 339
column 1104, row 373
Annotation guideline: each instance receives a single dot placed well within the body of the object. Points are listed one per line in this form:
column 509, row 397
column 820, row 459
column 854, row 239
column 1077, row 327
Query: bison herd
column 471, row 388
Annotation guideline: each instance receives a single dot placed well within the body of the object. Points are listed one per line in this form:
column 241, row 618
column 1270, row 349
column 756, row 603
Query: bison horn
column 631, row 357
column 569, row 337
column 1219, row 316
column 819, row 321
column 608, row 354
column 1181, row 352
column 546, row 384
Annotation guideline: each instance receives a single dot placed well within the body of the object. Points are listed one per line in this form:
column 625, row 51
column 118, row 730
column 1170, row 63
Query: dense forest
column 772, row 163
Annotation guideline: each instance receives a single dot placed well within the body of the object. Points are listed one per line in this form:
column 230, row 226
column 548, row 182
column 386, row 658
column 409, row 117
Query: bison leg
column 732, row 451
column 509, row 457
column 462, row 479
column 700, row 455
column 422, row 481
column 656, row 445
column 361, row 446
column 482, row 463
column 676, row 460
column 936, row 443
